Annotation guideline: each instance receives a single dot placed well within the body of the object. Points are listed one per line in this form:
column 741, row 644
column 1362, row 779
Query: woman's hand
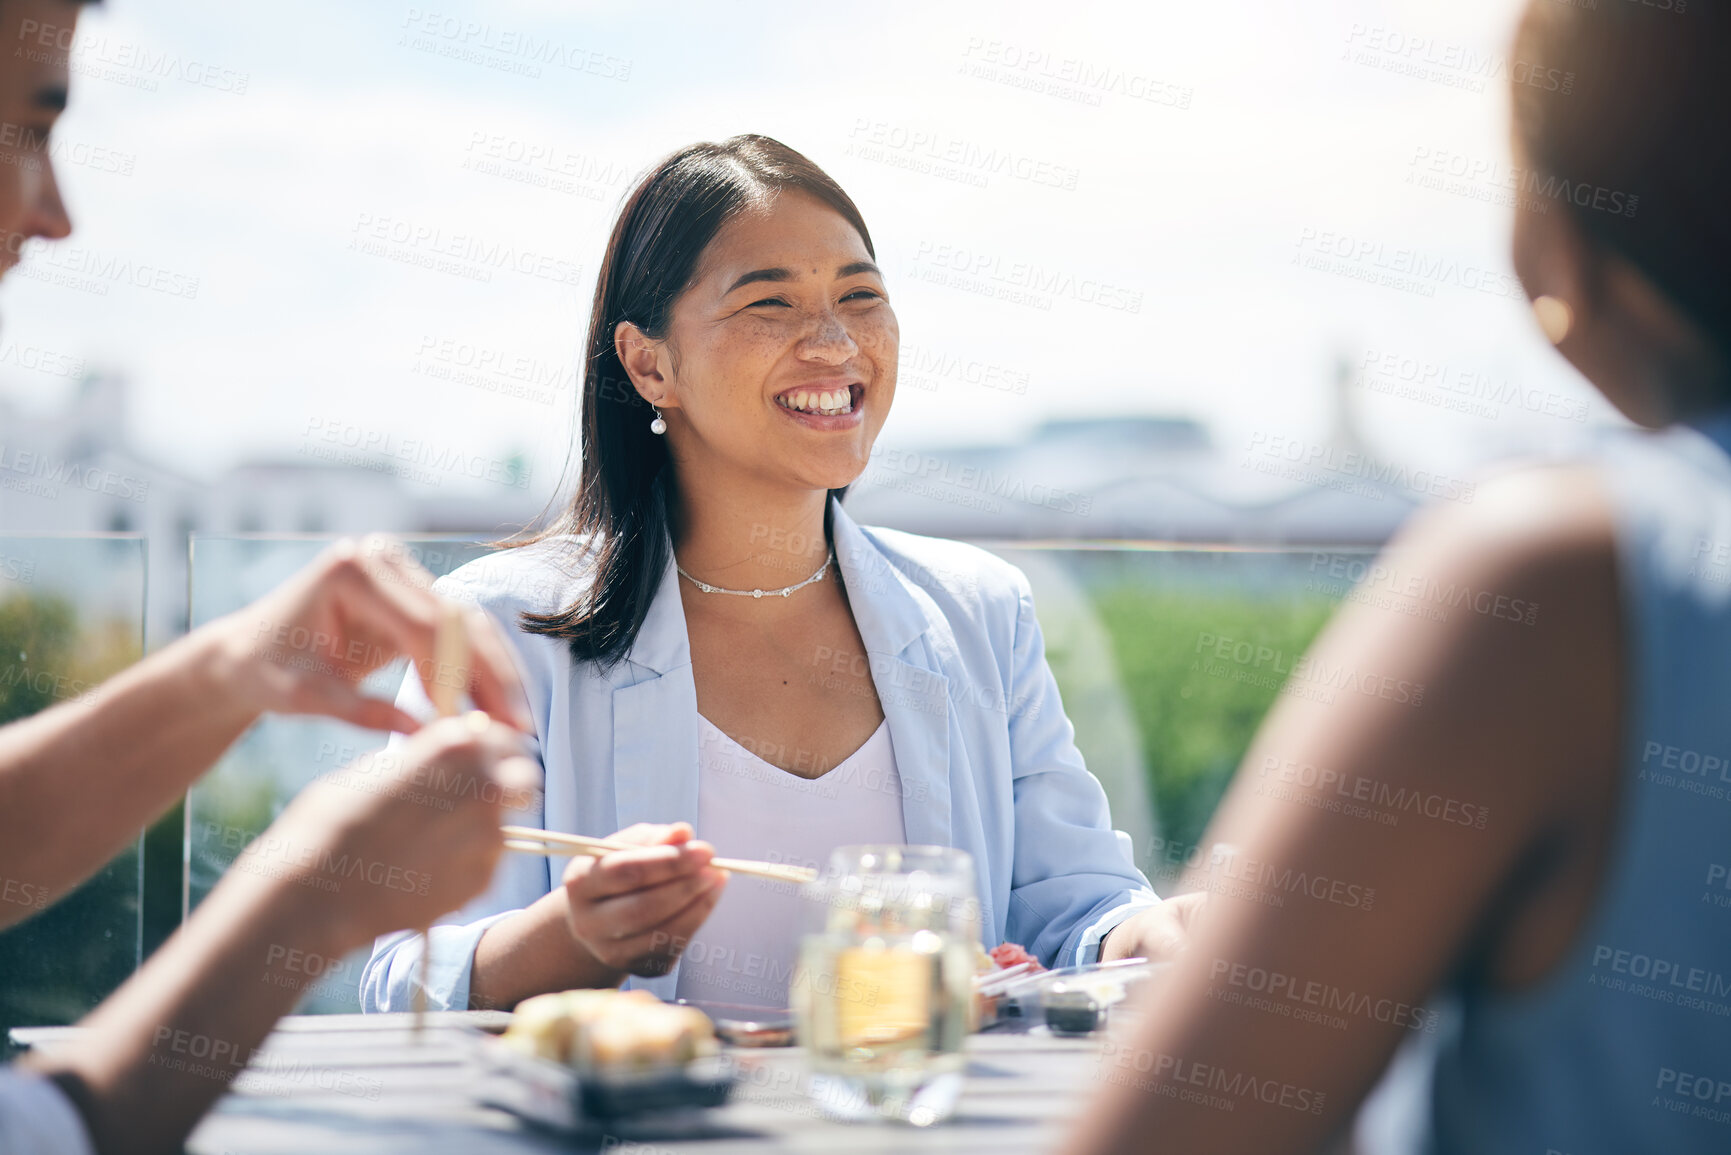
column 1159, row 934
column 635, row 910
column 304, row 647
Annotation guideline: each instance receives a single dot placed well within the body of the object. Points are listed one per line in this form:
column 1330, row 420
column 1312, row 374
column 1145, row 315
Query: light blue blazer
column 987, row 759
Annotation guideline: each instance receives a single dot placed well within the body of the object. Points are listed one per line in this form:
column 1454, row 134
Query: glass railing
column 1167, row 658
column 259, row 774
column 72, row 611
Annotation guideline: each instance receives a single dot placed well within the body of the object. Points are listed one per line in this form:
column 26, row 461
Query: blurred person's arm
column 338, row 867
column 78, row 781
column 1508, row 713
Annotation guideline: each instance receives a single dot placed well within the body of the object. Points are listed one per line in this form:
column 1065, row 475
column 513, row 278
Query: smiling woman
column 857, row 686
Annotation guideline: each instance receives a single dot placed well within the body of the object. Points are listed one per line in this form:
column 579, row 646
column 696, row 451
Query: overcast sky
column 1098, row 208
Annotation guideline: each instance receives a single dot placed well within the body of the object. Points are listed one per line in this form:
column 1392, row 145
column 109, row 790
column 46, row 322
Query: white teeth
column 827, row 403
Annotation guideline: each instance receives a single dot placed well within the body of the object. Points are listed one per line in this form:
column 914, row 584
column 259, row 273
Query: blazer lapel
column 903, row 631
column 655, row 718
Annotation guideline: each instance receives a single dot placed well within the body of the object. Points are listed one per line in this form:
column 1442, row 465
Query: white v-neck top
column 747, row 808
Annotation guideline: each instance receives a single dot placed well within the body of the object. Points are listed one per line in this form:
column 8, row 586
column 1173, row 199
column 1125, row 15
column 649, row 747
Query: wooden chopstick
column 994, row 981
column 527, row 839
column 450, row 679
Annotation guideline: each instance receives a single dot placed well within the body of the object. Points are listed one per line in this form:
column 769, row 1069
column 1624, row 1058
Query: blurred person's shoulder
column 1530, row 516
column 542, row 577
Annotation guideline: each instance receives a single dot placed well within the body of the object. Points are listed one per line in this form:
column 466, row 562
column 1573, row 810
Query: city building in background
column 1135, row 478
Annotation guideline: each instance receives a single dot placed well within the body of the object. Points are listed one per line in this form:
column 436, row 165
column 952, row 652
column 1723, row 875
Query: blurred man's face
column 35, row 44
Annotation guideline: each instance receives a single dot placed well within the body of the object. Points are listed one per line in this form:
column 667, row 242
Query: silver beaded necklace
column 785, row 591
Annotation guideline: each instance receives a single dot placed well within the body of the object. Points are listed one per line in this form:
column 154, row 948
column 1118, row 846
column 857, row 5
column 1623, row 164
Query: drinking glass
column 883, row 991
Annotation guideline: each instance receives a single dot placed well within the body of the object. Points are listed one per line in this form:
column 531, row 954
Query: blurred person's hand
column 1158, row 934
column 404, row 835
column 391, row 841
column 304, row 647
column 635, row 910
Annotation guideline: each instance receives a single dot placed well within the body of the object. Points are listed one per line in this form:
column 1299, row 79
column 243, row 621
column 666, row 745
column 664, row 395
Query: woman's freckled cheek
column 761, row 335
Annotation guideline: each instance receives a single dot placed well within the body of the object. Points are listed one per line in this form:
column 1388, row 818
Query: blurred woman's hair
column 1623, row 110
column 619, row 510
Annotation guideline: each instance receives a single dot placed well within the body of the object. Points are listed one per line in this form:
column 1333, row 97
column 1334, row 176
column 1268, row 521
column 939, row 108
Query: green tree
column 60, row 963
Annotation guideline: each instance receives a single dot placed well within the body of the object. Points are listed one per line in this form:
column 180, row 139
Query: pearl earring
column 1555, row 318
column 658, row 426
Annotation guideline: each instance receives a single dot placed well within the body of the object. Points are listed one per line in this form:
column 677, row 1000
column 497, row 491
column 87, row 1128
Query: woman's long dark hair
column 620, row 506
column 1624, row 111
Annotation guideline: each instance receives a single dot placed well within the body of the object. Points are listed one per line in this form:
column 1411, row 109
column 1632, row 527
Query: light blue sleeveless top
column 1626, row 1046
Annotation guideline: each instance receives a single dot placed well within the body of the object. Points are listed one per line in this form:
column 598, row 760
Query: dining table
column 371, row 1084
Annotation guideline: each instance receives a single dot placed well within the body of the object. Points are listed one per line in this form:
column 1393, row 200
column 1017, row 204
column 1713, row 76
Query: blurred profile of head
column 36, row 39
column 1622, row 122
column 739, row 297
